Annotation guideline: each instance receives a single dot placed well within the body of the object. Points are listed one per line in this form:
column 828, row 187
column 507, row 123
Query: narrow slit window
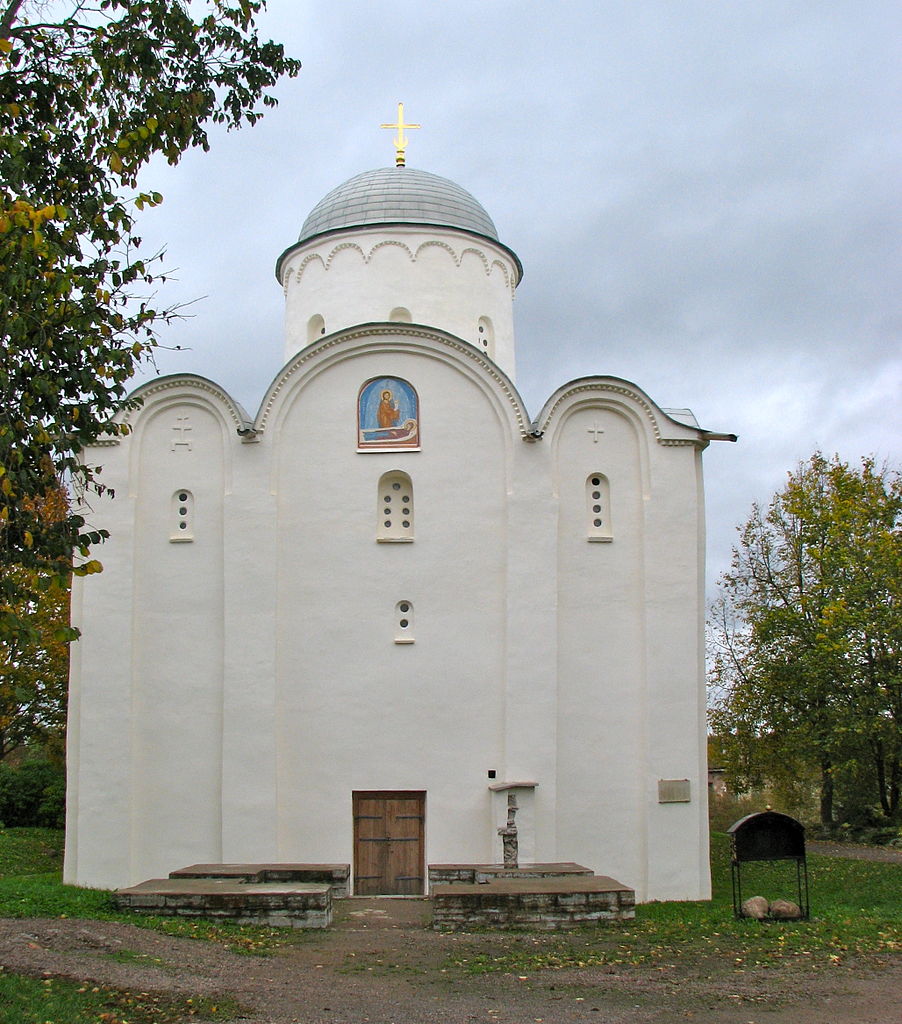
column 316, row 328
column 181, row 517
column 485, row 336
column 598, row 508
column 404, row 622
column 394, row 508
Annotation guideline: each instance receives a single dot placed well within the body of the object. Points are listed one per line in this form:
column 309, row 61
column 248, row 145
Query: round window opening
column 595, row 481
column 183, row 496
column 405, row 607
column 396, row 487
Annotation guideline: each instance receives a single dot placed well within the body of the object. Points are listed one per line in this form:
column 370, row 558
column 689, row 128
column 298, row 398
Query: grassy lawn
column 57, row 1001
column 31, row 886
column 856, row 912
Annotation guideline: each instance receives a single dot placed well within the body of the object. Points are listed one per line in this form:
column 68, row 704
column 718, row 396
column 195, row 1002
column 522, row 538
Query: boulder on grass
column 755, row 907
column 785, row 910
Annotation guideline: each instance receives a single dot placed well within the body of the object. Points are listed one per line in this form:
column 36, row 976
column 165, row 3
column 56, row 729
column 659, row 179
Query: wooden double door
column 389, row 843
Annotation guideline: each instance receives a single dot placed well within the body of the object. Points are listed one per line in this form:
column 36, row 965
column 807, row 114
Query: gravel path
column 381, row 964
column 851, row 851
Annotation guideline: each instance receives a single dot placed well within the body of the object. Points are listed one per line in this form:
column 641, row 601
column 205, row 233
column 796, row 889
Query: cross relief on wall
column 180, row 430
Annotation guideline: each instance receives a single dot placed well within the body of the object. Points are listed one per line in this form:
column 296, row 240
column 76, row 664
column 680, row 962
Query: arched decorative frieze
column 343, row 247
column 610, row 409
column 108, row 441
column 172, row 424
column 509, row 282
column 614, row 387
column 479, row 254
column 389, row 243
column 437, row 243
column 199, row 389
column 326, row 259
column 342, row 344
column 311, row 257
column 490, row 266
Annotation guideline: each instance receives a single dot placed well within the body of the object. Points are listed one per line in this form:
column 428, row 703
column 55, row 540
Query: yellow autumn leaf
column 28, row 538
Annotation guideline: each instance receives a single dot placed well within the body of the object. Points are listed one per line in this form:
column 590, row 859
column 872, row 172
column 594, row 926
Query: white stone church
column 346, row 628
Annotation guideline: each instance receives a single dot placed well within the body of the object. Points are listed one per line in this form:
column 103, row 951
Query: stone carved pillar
column 509, row 833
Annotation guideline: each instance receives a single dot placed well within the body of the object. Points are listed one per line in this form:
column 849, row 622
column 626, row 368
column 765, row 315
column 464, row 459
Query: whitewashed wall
column 444, row 278
column 229, row 694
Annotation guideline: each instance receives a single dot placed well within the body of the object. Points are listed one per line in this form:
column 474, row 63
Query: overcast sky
column 704, row 196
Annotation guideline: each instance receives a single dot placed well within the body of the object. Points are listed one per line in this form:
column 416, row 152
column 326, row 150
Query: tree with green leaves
column 34, row 664
column 806, row 638
column 89, row 93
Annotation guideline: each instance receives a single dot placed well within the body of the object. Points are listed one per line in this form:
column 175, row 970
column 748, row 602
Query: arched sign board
column 768, row 835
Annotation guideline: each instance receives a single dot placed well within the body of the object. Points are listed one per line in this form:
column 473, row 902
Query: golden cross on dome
column 400, row 139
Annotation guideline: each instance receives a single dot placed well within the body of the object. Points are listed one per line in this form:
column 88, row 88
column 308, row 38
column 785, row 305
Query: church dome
column 398, row 195
column 399, row 245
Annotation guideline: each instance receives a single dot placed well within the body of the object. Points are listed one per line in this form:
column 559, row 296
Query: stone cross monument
column 509, row 833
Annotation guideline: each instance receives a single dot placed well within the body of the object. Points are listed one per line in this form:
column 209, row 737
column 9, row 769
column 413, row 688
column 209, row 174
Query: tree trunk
column 826, row 791
column 895, row 779
column 880, row 771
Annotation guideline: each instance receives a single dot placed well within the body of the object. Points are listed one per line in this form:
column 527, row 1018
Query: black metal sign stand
column 768, row 835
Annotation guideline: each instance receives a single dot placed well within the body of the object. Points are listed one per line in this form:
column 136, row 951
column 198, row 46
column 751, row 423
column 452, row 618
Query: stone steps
column 335, row 875
column 280, row 904
column 285, row 895
column 541, row 896
column 476, row 874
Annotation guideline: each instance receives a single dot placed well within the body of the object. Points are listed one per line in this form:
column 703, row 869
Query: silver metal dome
column 392, row 195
